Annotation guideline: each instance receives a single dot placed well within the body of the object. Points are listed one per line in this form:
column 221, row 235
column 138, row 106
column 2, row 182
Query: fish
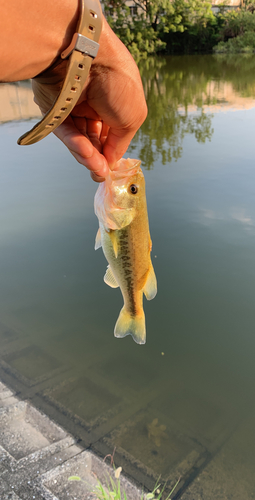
column 156, row 432
column 121, row 208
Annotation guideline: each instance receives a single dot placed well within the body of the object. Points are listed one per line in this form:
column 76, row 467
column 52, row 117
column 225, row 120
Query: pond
column 174, row 405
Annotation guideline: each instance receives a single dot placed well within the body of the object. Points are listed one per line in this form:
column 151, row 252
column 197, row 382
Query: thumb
column 116, row 144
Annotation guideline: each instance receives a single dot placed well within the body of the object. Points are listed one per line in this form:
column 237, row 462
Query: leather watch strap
column 83, row 49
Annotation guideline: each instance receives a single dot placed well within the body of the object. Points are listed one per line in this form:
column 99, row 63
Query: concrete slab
column 230, row 475
column 31, row 364
column 37, row 457
column 89, row 468
column 23, row 430
column 10, row 496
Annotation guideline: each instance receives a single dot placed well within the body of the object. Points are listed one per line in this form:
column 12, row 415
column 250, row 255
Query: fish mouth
column 107, row 208
column 125, row 167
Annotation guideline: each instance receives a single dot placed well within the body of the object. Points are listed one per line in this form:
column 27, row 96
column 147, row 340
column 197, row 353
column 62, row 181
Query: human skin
column 112, row 106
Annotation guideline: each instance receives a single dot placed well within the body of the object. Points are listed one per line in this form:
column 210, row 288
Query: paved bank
column 37, row 457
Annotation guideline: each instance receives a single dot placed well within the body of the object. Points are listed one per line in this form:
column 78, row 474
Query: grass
column 112, row 490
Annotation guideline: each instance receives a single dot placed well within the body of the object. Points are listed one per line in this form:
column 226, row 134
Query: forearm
column 32, row 34
column 111, row 107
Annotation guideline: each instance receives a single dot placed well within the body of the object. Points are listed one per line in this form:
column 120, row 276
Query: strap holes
column 73, row 89
column 49, row 125
column 68, row 99
column 63, row 109
column 92, row 29
column 80, row 66
column 93, row 14
column 77, row 77
column 56, row 117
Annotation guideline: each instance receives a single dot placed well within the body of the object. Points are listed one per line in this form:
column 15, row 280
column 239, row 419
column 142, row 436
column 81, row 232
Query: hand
column 109, row 112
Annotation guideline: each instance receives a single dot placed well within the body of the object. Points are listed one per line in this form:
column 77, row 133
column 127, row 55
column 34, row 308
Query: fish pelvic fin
column 131, row 325
column 150, row 287
column 114, row 241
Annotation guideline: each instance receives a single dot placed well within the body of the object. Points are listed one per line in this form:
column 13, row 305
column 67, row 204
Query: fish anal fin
column 150, row 287
column 98, row 243
column 142, row 280
column 109, row 278
column 114, row 240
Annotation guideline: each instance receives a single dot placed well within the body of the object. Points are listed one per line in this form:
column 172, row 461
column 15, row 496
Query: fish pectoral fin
column 150, row 287
column 98, row 242
column 114, row 240
column 109, row 278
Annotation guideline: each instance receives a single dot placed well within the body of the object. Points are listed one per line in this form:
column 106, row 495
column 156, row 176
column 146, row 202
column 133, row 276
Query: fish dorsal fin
column 109, row 279
column 98, row 243
column 150, row 287
column 114, row 240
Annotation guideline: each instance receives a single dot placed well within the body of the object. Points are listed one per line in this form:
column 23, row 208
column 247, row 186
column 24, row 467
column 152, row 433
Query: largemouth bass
column 120, row 205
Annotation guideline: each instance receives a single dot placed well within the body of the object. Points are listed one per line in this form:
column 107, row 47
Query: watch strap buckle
column 82, row 44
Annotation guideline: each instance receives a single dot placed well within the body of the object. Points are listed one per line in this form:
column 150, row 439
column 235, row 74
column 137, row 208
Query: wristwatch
column 80, row 54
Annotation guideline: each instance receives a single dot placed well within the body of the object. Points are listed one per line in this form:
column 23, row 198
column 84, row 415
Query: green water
column 196, row 372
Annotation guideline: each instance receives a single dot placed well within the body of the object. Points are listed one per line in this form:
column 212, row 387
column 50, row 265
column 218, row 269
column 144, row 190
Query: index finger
column 81, row 148
column 116, row 144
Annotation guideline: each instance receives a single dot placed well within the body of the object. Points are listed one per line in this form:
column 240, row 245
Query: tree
column 171, row 85
column 146, row 32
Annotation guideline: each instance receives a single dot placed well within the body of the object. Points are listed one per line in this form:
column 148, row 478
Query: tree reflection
column 177, row 91
column 170, row 87
column 239, row 69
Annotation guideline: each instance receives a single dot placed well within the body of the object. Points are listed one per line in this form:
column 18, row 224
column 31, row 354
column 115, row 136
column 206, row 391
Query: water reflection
column 166, row 414
column 16, row 102
column 182, row 93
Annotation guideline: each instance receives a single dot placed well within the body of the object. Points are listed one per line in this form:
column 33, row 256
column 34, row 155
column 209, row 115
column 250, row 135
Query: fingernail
column 96, row 177
column 98, row 166
column 102, row 172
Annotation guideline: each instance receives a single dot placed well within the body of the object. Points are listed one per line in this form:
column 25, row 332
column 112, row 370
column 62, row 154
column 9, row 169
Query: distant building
column 230, row 4
column 133, row 8
column 17, row 102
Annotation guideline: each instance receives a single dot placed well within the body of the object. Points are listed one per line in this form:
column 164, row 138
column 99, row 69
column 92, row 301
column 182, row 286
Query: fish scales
column 126, row 266
column 120, row 204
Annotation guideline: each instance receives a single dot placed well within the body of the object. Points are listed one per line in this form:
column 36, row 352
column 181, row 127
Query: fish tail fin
column 131, row 325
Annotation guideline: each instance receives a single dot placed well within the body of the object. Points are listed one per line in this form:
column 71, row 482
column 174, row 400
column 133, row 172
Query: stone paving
column 56, row 422
column 37, row 457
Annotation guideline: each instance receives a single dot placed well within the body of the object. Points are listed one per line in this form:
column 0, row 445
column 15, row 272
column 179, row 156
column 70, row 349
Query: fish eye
column 133, row 189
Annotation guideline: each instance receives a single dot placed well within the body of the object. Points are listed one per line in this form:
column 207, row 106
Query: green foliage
column 198, row 37
column 249, row 5
column 113, row 491
column 171, row 86
column 137, row 33
column 237, row 33
column 181, row 26
column 160, row 25
column 192, row 15
column 240, row 44
column 236, row 23
column 197, row 30
column 178, row 89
